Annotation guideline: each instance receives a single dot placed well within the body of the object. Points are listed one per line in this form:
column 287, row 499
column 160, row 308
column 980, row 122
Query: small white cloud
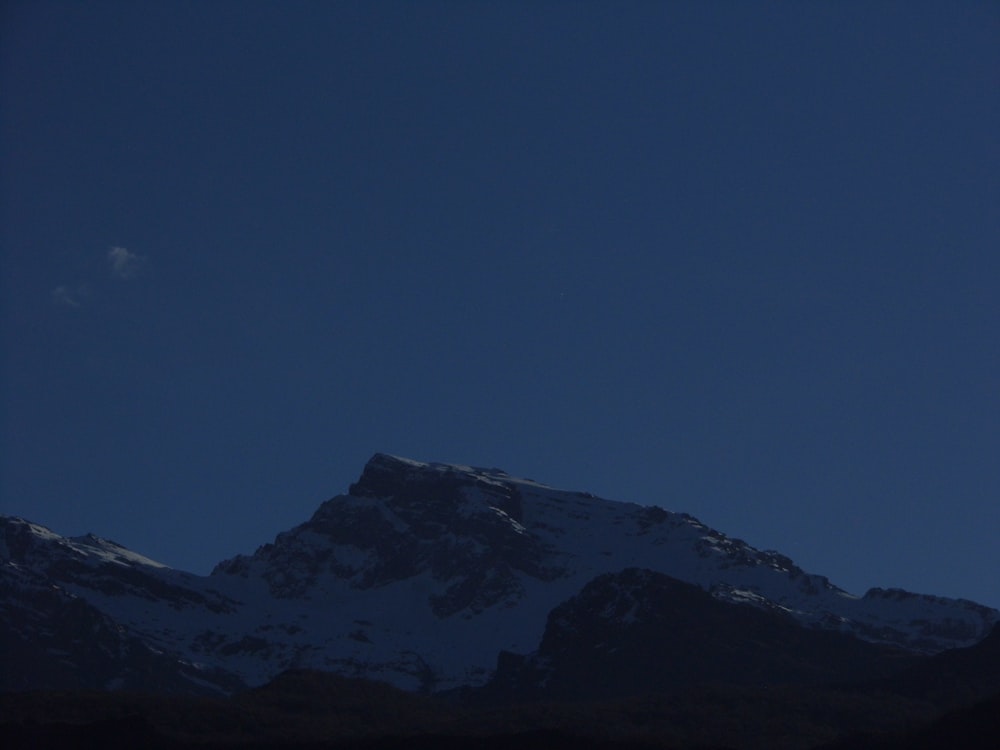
column 61, row 295
column 70, row 296
column 124, row 264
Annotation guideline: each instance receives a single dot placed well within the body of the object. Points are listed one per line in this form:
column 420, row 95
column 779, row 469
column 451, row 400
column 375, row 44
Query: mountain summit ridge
column 421, row 575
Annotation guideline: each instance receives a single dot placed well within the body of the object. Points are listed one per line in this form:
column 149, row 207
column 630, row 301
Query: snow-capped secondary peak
column 22, row 540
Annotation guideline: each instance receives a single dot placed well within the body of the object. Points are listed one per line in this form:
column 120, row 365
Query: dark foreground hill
column 935, row 703
column 716, row 718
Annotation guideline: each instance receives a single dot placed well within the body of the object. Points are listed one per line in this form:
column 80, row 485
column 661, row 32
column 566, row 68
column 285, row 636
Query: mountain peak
column 385, row 475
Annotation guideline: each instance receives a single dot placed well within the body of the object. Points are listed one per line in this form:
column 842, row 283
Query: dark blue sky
column 737, row 259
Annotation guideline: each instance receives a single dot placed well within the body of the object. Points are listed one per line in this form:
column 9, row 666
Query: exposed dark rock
column 639, row 631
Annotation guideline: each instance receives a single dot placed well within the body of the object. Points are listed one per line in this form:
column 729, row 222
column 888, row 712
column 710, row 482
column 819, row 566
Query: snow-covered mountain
column 421, row 575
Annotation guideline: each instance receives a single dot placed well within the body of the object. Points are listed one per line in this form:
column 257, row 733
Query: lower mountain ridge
column 638, row 632
column 436, row 577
